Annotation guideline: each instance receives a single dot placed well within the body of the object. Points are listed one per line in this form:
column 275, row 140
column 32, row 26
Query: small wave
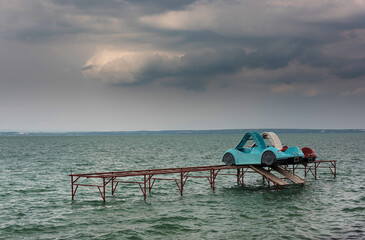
column 355, row 209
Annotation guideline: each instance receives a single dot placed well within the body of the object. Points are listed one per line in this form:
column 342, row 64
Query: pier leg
column 210, row 178
column 104, row 189
column 116, row 185
column 72, row 187
column 238, row 175
column 213, row 180
column 243, row 177
column 73, row 191
column 144, row 187
column 183, row 177
column 315, row 171
column 181, row 183
column 305, row 171
column 102, row 193
column 112, row 186
column 145, row 190
column 150, row 185
column 213, row 175
column 334, row 164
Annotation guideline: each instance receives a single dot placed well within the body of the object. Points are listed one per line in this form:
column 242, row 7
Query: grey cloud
column 354, row 21
column 195, row 70
column 189, row 71
column 44, row 32
column 272, row 48
column 351, row 68
column 90, row 4
column 276, row 54
column 303, row 77
column 145, row 6
column 339, row 66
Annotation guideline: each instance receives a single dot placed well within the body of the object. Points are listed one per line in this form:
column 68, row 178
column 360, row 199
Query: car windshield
column 249, row 143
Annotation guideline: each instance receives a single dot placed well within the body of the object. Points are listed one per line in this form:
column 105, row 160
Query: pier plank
column 292, row 177
column 269, row 176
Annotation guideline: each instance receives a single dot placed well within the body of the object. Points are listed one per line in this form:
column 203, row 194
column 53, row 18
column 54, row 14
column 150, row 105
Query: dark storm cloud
column 43, row 32
column 239, row 59
column 275, row 54
column 192, row 70
column 339, row 66
column 49, row 20
column 35, row 21
column 189, row 71
column 257, row 38
column 355, row 21
column 350, row 68
column 195, row 70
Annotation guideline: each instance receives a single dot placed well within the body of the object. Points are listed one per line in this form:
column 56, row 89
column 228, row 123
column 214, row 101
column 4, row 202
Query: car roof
column 256, row 137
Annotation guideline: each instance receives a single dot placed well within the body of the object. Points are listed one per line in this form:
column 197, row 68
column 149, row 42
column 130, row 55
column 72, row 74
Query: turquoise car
column 259, row 153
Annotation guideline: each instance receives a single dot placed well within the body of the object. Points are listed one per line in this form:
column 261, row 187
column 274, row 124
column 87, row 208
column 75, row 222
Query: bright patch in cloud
column 119, row 67
column 283, row 88
column 311, row 92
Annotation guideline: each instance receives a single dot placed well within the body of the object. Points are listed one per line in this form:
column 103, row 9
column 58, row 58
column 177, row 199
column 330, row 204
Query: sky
column 120, row 65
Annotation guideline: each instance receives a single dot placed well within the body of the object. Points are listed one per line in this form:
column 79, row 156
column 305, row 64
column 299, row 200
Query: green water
column 36, row 201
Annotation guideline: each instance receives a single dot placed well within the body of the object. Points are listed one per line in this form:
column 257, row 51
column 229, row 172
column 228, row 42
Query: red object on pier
column 309, row 154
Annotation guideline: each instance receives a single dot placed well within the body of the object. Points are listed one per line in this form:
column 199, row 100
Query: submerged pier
column 181, row 175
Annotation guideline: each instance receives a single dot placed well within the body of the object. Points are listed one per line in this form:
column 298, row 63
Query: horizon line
column 168, row 130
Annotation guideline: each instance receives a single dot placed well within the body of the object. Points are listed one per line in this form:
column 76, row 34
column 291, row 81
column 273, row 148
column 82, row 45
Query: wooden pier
column 181, row 175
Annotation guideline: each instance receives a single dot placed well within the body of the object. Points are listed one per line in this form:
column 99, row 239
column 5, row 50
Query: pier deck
column 148, row 177
column 266, row 174
column 291, row 176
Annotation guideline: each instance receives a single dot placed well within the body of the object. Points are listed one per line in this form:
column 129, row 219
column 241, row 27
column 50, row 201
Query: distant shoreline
column 179, row 132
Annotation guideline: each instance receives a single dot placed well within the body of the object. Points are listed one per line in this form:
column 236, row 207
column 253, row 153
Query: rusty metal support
column 148, row 176
column 305, row 170
column 143, row 188
column 102, row 193
column 183, row 178
column 212, row 177
column 334, row 171
column 149, row 183
column 315, row 170
column 240, row 176
column 116, row 185
column 73, row 192
column 72, row 187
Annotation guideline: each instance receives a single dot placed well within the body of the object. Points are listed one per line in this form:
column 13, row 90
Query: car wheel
column 268, row 158
column 228, row 159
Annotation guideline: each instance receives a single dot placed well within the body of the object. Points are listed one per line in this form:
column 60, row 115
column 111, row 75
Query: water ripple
column 35, row 191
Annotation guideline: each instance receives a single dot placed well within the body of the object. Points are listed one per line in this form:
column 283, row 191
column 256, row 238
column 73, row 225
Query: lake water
column 35, row 194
